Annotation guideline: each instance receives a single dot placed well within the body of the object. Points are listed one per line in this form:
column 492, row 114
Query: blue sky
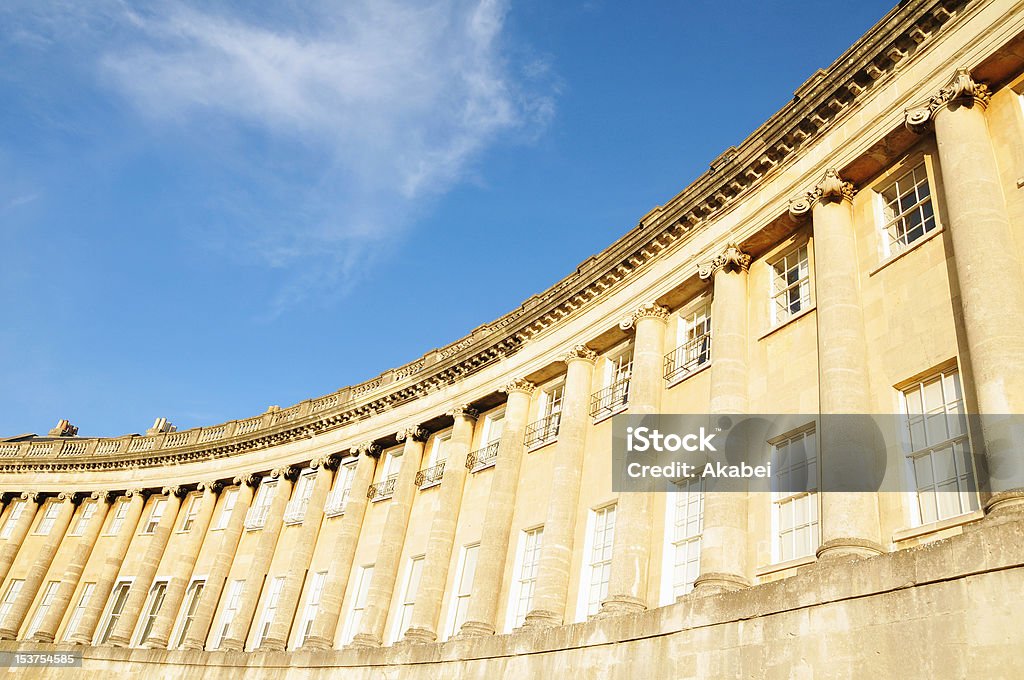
column 208, row 208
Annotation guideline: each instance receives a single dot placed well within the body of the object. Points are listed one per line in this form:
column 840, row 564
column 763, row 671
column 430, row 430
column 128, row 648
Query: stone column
column 139, row 592
column 37, row 572
column 13, row 544
column 849, row 518
column 302, row 554
column 430, row 595
column 481, row 618
column 111, row 567
column 989, row 273
column 73, row 571
column 200, row 629
column 631, row 548
column 260, row 565
column 552, row 587
column 326, row 623
column 723, row 546
column 392, row 539
column 160, row 636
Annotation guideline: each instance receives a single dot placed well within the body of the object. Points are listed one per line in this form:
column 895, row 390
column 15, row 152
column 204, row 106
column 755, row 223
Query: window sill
column 796, row 317
column 608, row 414
column 428, row 485
column 933, row 527
column 782, row 566
column 909, row 249
column 537, row 446
column 675, row 380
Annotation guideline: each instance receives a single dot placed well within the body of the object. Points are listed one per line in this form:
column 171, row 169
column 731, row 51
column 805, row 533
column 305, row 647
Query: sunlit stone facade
column 859, row 253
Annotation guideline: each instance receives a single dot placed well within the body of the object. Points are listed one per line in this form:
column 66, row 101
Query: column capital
column 730, row 259
column 177, row 490
column 285, row 472
column 518, row 385
column 580, row 353
column 328, row 462
column 370, row 448
column 961, row 90
column 33, row 496
column 414, row 432
column 141, row 493
column 464, row 411
column 67, row 496
column 831, row 188
column 101, row 496
column 648, row 310
column 214, row 485
column 248, row 479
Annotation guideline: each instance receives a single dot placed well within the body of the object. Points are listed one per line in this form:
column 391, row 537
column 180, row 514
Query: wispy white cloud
column 371, row 108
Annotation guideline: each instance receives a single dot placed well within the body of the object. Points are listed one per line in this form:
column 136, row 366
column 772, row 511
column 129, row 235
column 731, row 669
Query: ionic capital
column 648, row 310
column 580, row 353
column 178, row 491
column 413, row 432
column 67, row 496
column 101, row 496
column 137, row 493
column 284, row 472
column 730, row 259
column 961, row 90
column 464, row 411
column 328, row 462
column 369, row 448
column 248, row 479
column 211, row 485
column 520, row 385
column 33, row 496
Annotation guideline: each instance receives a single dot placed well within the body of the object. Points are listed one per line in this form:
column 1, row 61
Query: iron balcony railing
column 295, row 511
column 382, row 490
column 688, row 357
column 256, row 517
column 543, row 431
column 336, row 501
column 430, row 476
column 611, row 399
column 482, row 458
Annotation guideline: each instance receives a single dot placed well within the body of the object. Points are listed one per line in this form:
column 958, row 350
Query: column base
column 272, row 645
column 317, row 643
column 154, row 643
column 232, row 645
column 43, row 637
column 365, row 641
column 617, row 605
column 716, row 583
column 193, row 645
column 542, row 618
column 419, row 635
column 77, row 639
column 1005, row 501
column 6, row 634
column 118, row 642
column 848, row 547
column 472, row 629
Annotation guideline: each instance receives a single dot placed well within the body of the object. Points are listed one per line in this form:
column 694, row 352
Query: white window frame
column 256, row 517
column 188, row 519
column 45, row 602
column 953, row 414
column 462, row 588
column 392, row 463
column 17, row 509
column 693, row 327
column 118, row 518
column 50, row 512
column 295, row 510
column 359, row 596
column 315, row 589
column 496, row 416
column 154, row 603
column 10, row 597
column 266, row 622
column 190, row 605
column 86, row 513
column 787, row 501
column 227, row 507
column 156, row 513
column 231, row 605
column 438, row 452
column 524, row 575
column 684, row 530
column 339, row 496
column 890, row 246
column 798, row 256
column 617, row 376
column 108, row 622
column 79, row 611
column 596, row 566
column 410, row 587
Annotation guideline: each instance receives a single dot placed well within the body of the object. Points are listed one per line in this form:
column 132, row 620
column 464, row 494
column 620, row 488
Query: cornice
column 827, row 97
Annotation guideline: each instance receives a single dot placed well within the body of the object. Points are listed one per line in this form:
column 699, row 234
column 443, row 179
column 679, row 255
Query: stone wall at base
column 949, row 609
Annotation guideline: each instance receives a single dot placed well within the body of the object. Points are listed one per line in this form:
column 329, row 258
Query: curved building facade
column 860, row 252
